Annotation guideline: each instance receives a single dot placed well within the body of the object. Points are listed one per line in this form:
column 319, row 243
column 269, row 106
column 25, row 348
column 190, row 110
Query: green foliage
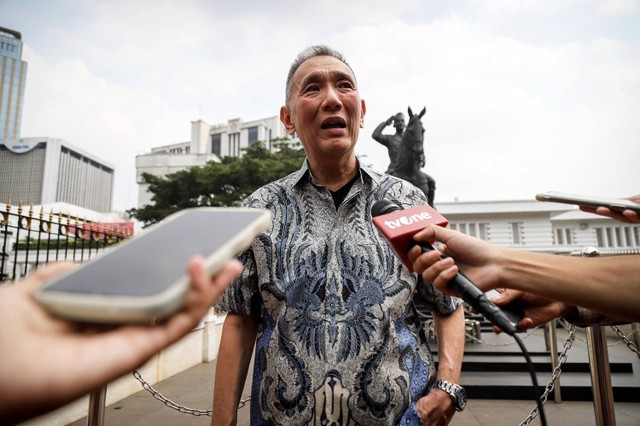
column 60, row 244
column 218, row 184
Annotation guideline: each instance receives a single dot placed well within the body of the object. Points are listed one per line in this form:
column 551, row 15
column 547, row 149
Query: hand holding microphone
column 404, row 230
column 458, row 252
column 400, row 227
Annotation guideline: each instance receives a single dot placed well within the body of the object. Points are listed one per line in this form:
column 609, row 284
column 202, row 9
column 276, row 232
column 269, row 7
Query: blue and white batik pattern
column 336, row 342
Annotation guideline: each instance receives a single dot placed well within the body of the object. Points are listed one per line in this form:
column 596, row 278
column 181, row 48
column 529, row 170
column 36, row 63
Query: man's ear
column 364, row 111
column 285, row 117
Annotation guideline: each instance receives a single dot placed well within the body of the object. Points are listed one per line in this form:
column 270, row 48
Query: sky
column 522, row 96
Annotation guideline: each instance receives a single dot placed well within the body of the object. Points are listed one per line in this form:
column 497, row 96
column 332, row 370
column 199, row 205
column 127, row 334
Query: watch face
column 461, row 402
column 457, row 393
column 461, row 399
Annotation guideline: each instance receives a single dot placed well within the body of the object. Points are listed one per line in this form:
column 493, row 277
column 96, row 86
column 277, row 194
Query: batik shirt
column 337, row 341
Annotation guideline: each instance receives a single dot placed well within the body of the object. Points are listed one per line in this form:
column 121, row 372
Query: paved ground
column 194, row 388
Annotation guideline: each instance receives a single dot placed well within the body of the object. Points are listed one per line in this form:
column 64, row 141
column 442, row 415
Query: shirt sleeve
column 241, row 296
column 436, row 301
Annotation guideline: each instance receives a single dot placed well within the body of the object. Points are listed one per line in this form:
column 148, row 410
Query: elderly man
column 323, row 298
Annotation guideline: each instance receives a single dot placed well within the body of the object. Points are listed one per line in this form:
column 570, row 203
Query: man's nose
column 332, row 98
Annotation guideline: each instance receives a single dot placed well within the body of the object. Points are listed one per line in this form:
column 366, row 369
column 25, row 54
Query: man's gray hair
column 306, row 54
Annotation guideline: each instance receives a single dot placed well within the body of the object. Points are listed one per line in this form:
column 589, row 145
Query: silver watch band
column 456, row 392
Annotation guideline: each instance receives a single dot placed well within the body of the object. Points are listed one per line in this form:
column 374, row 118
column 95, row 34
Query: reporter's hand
column 538, row 310
column 479, row 260
column 48, row 362
column 627, row 216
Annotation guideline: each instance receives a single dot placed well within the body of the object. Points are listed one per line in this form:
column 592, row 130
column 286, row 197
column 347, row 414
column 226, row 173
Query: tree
column 221, row 184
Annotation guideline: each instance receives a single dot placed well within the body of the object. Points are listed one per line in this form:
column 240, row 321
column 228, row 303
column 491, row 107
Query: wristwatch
column 456, row 392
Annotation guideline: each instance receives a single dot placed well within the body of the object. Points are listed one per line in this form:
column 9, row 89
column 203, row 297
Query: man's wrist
column 456, row 393
column 501, row 261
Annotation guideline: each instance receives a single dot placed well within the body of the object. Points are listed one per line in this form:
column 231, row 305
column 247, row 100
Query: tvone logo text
column 407, row 220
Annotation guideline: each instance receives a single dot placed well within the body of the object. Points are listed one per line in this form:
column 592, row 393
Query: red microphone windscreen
column 400, row 226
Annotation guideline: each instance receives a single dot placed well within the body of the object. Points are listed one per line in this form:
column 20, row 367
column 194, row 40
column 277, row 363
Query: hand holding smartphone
column 614, row 204
column 144, row 279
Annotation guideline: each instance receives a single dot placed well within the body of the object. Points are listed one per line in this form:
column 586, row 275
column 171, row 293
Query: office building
column 209, row 143
column 13, row 74
column 543, row 227
column 47, row 170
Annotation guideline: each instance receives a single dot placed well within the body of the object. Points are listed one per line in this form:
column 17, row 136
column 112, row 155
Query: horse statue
column 411, row 157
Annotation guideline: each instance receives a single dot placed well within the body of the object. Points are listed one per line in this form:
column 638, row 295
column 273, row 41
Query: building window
column 559, row 237
column 618, row 236
column 478, row 230
column 234, row 144
column 484, row 231
column 599, row 237
column 253, row 135
column 516, row 232
column 216, row 144
column 564, row 236
column 472, row 229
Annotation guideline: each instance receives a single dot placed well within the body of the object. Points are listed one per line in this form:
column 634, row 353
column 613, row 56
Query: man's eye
column 345, row 85
column 312, row 88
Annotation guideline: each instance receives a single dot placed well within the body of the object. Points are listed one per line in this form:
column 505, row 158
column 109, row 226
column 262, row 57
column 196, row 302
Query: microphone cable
column 534, row 379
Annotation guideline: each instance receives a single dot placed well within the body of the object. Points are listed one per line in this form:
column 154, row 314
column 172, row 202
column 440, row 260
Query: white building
column 46, row 170
column 208, row 143
column 540, row 226
column 13, row 76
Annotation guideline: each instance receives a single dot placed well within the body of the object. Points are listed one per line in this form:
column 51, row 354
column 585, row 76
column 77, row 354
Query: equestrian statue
column 406, row 151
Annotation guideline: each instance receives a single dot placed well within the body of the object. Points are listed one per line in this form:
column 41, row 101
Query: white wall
column 540, row 222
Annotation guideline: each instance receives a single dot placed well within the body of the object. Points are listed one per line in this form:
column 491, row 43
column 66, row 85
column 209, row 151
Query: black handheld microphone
column 399, row 226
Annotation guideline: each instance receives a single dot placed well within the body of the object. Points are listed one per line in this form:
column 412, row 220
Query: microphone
column 398, row 227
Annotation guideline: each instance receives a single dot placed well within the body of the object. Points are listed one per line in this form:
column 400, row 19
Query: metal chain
column 495, row 345
column 623, row 338
column 498, row 345
column 532, row 415
column 556, row 373
column 181, row 408
column 632, row 346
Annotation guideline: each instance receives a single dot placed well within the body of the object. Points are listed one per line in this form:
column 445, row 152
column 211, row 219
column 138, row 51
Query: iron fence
column 29, row 239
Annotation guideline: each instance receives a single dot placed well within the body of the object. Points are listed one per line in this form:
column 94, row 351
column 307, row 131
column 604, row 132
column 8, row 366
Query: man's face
column 398, row 122
column 325, row 108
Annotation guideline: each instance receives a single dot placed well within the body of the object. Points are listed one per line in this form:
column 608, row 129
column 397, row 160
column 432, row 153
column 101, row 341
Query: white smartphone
column 144, row 279
column 614, row 204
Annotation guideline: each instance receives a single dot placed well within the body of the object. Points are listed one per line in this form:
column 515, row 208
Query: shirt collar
column 304, row 174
